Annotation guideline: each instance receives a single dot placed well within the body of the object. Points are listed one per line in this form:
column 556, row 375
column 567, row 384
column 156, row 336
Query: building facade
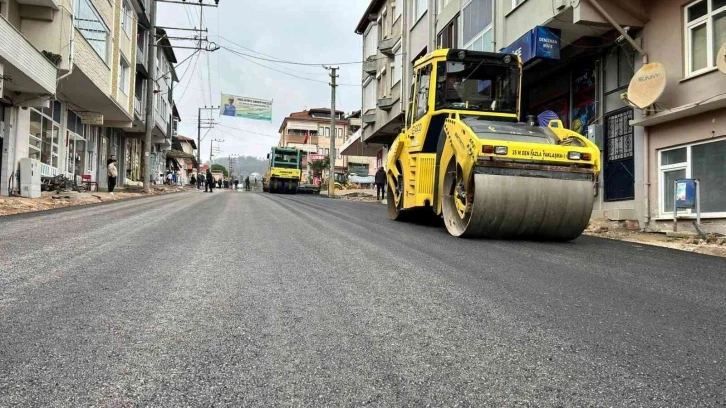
column 684, row 133
column 309, row 131
column 68, row 79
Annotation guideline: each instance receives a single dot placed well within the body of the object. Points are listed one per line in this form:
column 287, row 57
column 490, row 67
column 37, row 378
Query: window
column 477, row 22
column 705, row 33
column 340, row 133
column 447, row 38
column 326, row 131
column 369, row 95
column 703, row 161
column 516, row 3
column 337, row 154
column 127, row 18
column 423, row 79
column 124, row 74
column 43, row 138
column 370, row 45
column 92, row 27
column 469, row 85
column 397, row 65
column 397, row 9
column 418, row 8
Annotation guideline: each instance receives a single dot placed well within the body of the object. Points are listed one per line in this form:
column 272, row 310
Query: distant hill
column 244, row 165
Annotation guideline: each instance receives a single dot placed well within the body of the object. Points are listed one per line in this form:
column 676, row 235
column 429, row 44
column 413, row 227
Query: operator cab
column 485, row 84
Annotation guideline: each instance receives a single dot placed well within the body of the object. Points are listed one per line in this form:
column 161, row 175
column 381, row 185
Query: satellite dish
column 647, row 85
column 721, row 58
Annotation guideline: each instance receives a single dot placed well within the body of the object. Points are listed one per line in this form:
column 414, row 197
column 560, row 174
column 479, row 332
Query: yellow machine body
column 464, row 156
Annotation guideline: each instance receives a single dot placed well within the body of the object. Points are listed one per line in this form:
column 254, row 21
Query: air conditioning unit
column 29, row 177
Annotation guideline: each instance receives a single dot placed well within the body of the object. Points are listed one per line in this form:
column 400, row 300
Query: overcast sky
column 310, row 31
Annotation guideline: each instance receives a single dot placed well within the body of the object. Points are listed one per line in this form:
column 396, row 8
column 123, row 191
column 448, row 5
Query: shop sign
column 89, row 118
column 539, row 42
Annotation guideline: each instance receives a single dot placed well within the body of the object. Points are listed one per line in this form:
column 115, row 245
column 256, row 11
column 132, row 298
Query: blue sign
column 686, row 193
column 539, row 42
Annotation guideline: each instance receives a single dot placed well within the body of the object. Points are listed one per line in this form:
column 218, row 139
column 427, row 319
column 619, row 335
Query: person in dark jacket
column 380, row 183
column 210, row 182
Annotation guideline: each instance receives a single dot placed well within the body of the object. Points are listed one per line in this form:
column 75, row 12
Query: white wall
column 370, row 42
column 369, row 96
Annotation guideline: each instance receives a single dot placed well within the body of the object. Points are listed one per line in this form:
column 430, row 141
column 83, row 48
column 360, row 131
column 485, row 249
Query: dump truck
column 283, row 171
column 465, row 157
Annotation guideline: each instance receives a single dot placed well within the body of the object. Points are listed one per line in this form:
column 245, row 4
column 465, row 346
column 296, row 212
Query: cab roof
column 453, row 54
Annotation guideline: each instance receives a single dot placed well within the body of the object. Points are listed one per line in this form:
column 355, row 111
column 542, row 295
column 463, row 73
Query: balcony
column 369, row 117
column 141, row 62
column 386, row 45
column 26, row 70
column 41, row 3
column 369, row 66
column 385, row 103
column 139, row 108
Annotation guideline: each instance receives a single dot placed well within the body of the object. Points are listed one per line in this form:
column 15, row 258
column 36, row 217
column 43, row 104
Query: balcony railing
column 47, row 170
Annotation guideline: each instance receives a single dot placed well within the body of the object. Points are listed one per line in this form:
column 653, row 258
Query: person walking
column 210, row 182
column 236, row 184
column 380, row 183
column 247, row 183
column 112, row 173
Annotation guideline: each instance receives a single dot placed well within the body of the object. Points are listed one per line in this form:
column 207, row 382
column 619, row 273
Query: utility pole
column 333, row 133
column 207, row 125
column 150, row 97
column 211, row 150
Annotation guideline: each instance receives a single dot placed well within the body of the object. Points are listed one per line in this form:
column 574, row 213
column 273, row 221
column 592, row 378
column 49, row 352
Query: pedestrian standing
column 112, row 173
column 210, row 182
column 380, row 183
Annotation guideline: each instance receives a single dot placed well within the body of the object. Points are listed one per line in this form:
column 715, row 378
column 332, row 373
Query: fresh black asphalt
column 251, row 299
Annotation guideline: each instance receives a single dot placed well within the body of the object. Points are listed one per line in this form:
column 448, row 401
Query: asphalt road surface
column 252, row 299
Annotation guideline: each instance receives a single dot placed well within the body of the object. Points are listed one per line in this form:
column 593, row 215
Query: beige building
column 316, row 124
column 68, row 80
column 685, row 131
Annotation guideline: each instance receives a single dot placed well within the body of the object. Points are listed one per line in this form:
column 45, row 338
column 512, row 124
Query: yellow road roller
column 464, row 156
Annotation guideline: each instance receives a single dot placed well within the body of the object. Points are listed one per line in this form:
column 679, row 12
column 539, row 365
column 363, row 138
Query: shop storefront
column 582, row 85
column 44, row 138
column 133, row 170
column 78, row 152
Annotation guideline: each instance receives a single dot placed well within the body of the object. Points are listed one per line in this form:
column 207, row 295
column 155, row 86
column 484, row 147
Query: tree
column 216, row 168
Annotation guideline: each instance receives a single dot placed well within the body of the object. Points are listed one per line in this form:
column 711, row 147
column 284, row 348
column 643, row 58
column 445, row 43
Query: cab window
column 423, row 77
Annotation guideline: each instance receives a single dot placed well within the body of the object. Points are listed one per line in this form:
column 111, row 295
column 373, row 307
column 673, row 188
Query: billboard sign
column 317, row 157
column 244, row 107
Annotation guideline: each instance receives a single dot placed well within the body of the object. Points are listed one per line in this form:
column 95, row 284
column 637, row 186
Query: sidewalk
column 50, row 200
column 622, row 231
column 627, row 231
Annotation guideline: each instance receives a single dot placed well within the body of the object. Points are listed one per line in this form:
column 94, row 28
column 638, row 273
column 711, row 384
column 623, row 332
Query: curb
column 73, row 207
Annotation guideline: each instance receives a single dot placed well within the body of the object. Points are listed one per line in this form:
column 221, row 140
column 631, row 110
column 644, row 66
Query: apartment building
column 383, row 85
column 395, row 34
column 684, row 133
column 166, row 115
column 309, row 131
column 69, row 70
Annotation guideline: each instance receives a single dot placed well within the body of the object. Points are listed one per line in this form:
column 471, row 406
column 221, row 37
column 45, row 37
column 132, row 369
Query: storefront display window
column 43, row 139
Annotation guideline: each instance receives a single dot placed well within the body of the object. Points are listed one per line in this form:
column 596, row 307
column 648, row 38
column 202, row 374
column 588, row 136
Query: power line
column 282, row 72
column 282, row 61
column 190, row 80
column 248, row 131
